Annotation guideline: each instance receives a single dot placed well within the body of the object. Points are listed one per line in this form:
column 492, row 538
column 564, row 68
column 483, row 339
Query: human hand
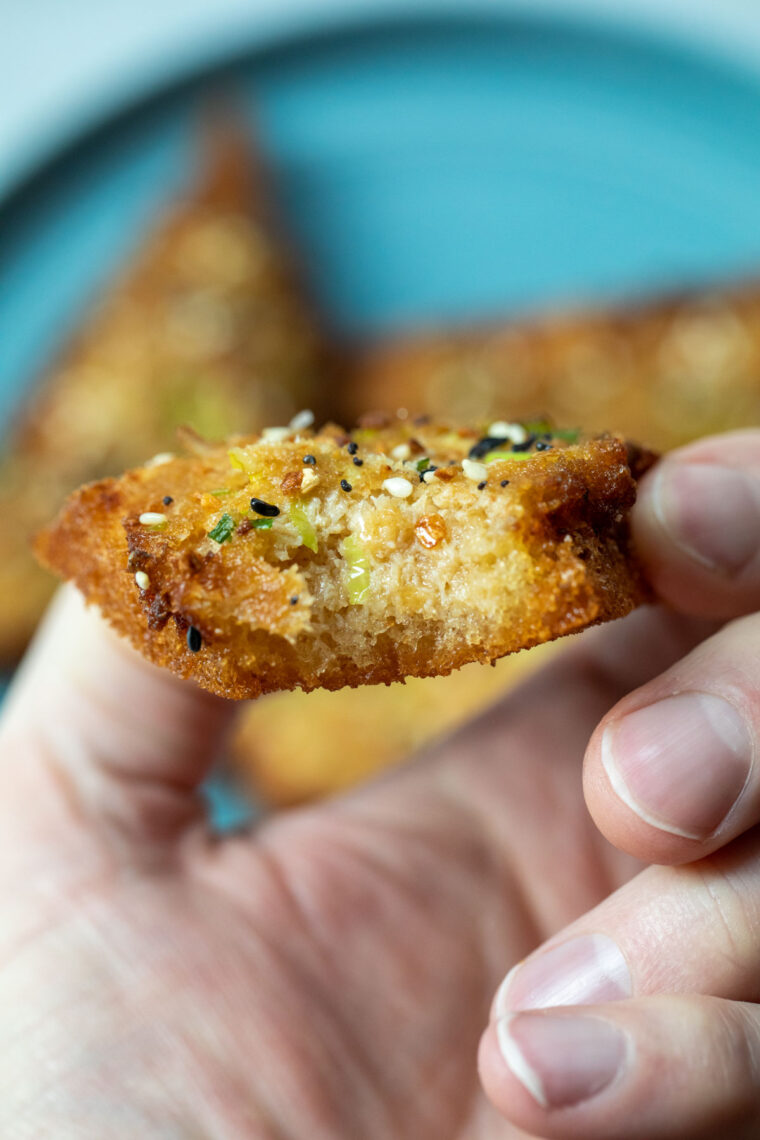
column 330, row 975
column 669, row 963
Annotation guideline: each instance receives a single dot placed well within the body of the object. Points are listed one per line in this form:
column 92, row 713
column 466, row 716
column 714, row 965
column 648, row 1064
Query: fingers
column 697, row 526
column 665, row 1068
column 673, row 771
column 676, row 931
column 92, row 730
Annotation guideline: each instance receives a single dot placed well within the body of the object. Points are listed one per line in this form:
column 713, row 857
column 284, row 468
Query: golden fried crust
column 207, row 326
column 372, row 570
column 668, row 371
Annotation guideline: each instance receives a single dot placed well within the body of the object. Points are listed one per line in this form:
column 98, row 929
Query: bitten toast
column 308, row 560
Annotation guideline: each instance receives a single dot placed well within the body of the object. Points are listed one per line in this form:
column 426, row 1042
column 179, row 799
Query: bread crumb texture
column 300, row 559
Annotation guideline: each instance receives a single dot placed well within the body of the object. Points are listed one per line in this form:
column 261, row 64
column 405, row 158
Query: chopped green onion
column 222, row 532
column 241, row 460
column 261, row 524
column 514, row 456
column 422, row 464
column 570, row 435
column 357, row 570
column 304, row 526
column 539, row 427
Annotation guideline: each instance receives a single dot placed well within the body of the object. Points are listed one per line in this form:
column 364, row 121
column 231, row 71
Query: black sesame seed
column 541, row 445
column 486, row 444
column 526, row 444
column 194, row 639
column 345, row 485
column 294, row 600
column 310, row 460
column 269, row 510
column 481, row 485
column 352, row 448
column 358, row 462
column 167, row 500
column 504, row 483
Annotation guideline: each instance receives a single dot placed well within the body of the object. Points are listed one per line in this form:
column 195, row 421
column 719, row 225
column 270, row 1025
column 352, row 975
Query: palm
column 329, row 978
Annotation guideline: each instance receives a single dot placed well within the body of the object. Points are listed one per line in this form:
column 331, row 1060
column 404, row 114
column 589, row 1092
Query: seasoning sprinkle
column 542, row 445
column 275, row 434
column 401, row 451
column 352, row 448
column 345, row 485
column 167, row 500
column 481, row 485
column 301, row 420
column 152, row 518
column 515, row 433
column 222, row 532
column 269, row 510
column 142, row 579
column 504, row 483
column 194, row 639
column 398, row 486
column 473, row 470
column 358, row 462
column 310, row 460
column 294, row 600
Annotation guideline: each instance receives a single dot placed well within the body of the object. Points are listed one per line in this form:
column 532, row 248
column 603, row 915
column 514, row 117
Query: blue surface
column 437, row 171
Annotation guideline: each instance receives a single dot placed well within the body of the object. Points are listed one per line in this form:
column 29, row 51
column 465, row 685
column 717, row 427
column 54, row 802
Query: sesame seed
column 474, row 470
column 294, row 600
column 275, row 434
column 516, row 433
column 358, row 462
column 398, row 486
column 481, row 485
column 542, row 445
column 142, row 579
column 160, row 459
column 152, row 518
column 194, row 639
column 310, row 460
column 504, row 483
column 269, row 510
column 401, row 451
column 429, row 475
column 345, row 485
column 167, row 500
column 352, row 448
column 301, row 420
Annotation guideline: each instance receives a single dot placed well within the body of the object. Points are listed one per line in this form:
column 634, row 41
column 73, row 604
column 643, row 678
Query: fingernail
column 561, row 1060
column 680, row 764
column 711, row 512
column 586, row 970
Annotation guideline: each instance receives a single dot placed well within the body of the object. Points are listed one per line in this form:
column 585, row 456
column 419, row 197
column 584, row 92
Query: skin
column 331, row 974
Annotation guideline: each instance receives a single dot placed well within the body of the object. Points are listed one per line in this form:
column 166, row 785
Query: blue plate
column 436, row 170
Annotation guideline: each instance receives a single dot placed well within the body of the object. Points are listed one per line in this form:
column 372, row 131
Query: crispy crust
column 207, row 326
column 545, row 555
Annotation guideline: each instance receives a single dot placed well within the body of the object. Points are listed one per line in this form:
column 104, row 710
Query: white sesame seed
column 301, row 420
column 398, row 486
column 475, row 471
column 515, row 433
column 142, row 579
column 161, row 458
column 152, row 518
column 401, row 451
column 275, row 434
column 428, row 477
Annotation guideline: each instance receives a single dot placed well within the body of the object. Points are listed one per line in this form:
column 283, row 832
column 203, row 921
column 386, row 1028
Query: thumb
column 94, row 736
